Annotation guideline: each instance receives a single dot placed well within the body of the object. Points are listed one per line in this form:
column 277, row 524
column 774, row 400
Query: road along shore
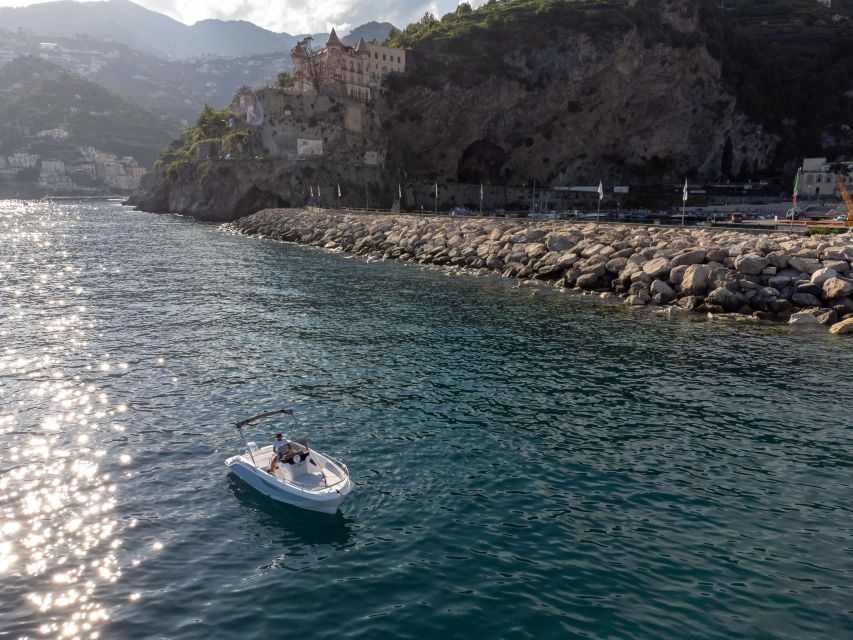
column 804, row 281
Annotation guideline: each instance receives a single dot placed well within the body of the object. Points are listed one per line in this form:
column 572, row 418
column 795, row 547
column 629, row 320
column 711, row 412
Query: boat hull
column 268, row 485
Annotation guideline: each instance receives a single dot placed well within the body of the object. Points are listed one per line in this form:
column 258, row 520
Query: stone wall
column 806, row 281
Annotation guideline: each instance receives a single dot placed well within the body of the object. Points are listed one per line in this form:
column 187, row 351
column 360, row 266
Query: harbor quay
column 806, row 281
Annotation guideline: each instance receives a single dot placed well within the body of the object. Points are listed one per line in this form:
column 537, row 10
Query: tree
column 284, row 80
column 314, row 67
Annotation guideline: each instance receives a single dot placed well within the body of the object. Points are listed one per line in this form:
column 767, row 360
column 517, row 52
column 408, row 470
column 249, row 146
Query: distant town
column 93, row 171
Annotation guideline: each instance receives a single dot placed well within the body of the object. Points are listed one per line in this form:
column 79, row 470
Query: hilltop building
column 819, row 177
column 357, row 70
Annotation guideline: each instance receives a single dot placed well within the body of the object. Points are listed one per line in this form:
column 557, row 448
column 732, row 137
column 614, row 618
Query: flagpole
column 794, row 199
column 600, row 198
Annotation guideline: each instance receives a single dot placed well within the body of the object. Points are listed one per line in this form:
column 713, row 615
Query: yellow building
column 357, row 70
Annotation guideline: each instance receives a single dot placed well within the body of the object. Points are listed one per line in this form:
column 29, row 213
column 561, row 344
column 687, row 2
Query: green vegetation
column 789, row 63
column 284, row 80
column 822, row 231
column 468, row 45
column 211, row 130
column 42, row 96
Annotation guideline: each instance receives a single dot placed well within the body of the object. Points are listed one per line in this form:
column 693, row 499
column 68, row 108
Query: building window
column 376, row 55
column 398, row 59
column 383, row 56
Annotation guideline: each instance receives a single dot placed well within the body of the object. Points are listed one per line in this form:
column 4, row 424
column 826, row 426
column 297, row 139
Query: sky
column 293, row 16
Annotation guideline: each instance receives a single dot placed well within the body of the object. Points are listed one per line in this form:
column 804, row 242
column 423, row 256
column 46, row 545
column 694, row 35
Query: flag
column 339, row 191
column 399, row 191
column 318, row 190
column 600, row 191
column 796, row 187
column 684, row 193
column 436, row 189
column 481, row 191
column 312, row 190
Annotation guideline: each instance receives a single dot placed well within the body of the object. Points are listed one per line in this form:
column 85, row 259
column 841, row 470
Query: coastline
column 802, row 281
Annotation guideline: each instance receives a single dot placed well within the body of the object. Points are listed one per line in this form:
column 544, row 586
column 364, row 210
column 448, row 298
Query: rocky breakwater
column 805, row 281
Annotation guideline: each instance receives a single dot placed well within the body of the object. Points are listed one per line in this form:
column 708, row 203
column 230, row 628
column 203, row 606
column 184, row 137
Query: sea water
column 525, row 466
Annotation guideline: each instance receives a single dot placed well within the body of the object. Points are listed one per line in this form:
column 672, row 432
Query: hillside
column 567, row 93
column 127, row 23
column 37, row 96
column 178, row 88
column 556, row 91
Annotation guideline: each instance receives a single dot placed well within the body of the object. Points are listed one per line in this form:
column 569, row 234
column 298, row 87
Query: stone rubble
column 805, row 281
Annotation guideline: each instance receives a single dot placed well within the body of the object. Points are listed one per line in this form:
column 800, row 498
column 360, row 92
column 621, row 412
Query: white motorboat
column 304, row 478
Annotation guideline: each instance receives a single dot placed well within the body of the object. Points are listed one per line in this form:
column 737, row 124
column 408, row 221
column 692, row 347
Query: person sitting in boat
column 280, row 448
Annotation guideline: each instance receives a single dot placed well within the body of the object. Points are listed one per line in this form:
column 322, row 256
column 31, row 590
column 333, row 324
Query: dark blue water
column 539, row 467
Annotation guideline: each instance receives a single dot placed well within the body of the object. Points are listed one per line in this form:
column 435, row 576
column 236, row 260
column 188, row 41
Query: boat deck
column 311, row 481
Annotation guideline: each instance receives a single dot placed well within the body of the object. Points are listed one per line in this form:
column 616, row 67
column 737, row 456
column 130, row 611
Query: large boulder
column 724, row 298
column 843, row 327
column 657, row 267
column 587, row 281
column 695, row 279
column 805, row 265
column 836, row 288
column 803, row 319
column 822, row 275
column 779, row 282
column 615, row 265
column 696, row 256
column 659, row 287
column 676, row 274
column 559, row 242
column 805, row 300
column 690, row 302
column 750, row 264
column 778, row 259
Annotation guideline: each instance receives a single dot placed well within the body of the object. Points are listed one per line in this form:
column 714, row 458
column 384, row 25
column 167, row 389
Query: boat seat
column 295, row 470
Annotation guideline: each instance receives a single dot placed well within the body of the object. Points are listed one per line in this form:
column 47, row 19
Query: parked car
column 736, row 217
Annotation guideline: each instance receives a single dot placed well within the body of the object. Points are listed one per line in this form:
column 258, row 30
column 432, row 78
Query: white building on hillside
column 358, row 70
column 819, row 177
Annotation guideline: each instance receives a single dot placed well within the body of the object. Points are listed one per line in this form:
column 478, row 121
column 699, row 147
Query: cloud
column 295, row 16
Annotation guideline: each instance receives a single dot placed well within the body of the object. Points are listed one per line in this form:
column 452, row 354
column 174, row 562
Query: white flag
column 318, row 190
column 436, row 189
column 399, row 191
column 481, row 191
column 312, row 190
column 339, row 191
column 684, row 193
column 600, row 191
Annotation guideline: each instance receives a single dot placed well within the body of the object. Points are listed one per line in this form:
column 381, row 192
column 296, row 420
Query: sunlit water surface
column 542, row 468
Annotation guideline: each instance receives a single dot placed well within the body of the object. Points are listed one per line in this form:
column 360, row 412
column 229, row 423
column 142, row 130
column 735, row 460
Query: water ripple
column 525, row 469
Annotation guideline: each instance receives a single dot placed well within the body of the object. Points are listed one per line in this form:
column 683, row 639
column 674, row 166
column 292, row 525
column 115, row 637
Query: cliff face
column 271, row 148
column 560, row 95
column 638, row 102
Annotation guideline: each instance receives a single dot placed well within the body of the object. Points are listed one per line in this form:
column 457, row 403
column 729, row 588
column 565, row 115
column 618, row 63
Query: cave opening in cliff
column 482, row 161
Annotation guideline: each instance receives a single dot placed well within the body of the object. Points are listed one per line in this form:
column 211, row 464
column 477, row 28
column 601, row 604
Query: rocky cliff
column 511, row 93
column 624, row 94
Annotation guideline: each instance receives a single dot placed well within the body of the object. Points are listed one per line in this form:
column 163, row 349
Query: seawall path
column 805, row 281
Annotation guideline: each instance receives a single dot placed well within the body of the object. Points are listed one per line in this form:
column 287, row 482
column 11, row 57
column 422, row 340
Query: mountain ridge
column 148, row 31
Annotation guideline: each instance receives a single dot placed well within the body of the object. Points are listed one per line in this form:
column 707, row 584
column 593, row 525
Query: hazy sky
column 294, row 16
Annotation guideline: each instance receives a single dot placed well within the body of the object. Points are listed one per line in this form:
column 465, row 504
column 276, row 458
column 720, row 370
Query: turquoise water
column 542, row 468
